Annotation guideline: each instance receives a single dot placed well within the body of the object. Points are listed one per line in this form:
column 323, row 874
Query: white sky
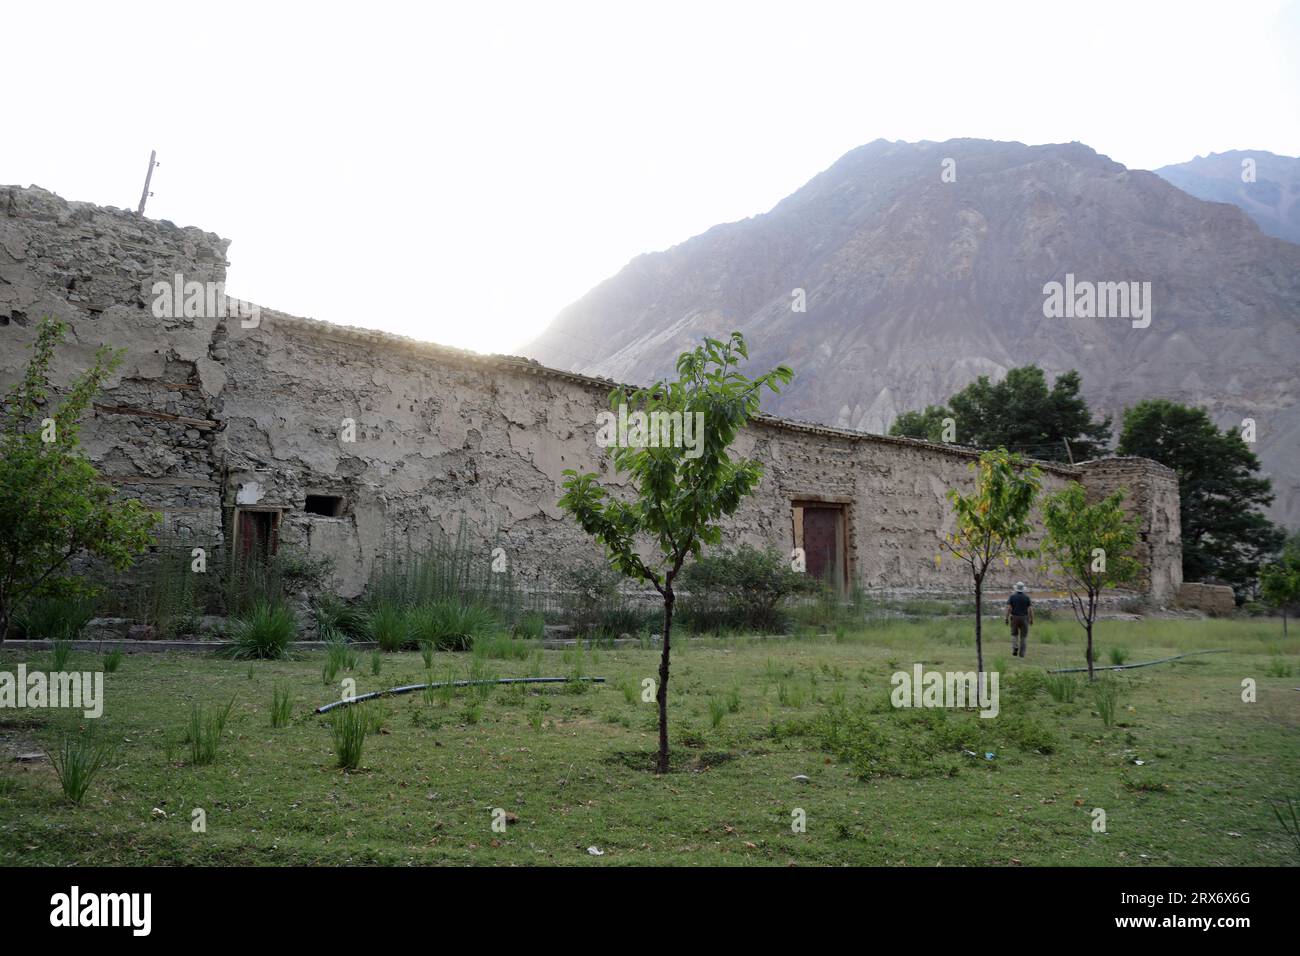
column 461, row 172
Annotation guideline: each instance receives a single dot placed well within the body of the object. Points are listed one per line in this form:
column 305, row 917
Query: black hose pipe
column 410, row 688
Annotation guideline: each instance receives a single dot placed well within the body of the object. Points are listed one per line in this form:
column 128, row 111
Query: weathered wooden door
column 256, row 534
column 822, row 542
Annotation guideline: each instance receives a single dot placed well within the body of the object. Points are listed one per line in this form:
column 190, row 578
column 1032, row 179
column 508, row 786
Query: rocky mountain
column 1264, row 185
column 924, row 265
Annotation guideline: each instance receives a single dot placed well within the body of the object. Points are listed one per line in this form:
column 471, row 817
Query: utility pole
column 144, row 196
column 1068, row 454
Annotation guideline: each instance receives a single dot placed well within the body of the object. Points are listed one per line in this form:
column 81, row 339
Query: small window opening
column 331, row 506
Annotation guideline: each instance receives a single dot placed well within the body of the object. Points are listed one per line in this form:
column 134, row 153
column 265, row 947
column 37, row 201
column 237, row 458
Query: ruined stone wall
column 1151, row 498
column 152, row 430
column 206, row 417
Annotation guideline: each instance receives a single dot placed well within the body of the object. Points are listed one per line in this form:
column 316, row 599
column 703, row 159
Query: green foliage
column 717, row 711
column 387, row 624
column 530, row 626
column 594, row 603
column 449, row 569
column 335, row 616
column 281, row 705
column 1019, row 412
column 677, row 493
column 76, row 761
column 1289, row 818
column 1106, row 694
column 163, row 590
column 744, row 588
column 348, row 726
column 991, row 521
column 1118, row 655
column 927, row 425
column 1225, row 535
column 60, row 654
column 1088, row 548
column 113, row 660
column 1277, row 667
column 1279, row 581
column 1062, row 688
column 449, row 625
column 54, row 617
column 204, row 733
column 54, row 507
column 265, row 633
column 338, row 657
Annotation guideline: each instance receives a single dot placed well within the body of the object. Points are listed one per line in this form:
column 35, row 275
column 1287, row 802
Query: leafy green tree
column 1225, row 537
column 991, row 521
column 1019, row 412
column 1279, row 581
column 1088, row 547
column 678, row 493
column 927, row 424
column 53, row 504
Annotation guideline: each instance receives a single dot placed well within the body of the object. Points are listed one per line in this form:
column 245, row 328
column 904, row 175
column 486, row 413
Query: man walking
column 1019, row 614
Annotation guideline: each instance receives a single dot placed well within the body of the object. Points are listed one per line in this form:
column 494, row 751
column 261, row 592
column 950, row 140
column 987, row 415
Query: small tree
column 991, row 521
column 1279, row 581
column 1088, row 547
column 680, row 490
column 53, row 504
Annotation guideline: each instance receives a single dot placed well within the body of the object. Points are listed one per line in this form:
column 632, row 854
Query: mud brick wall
column 1151, row 498
column 152, row 431
column 207, row 417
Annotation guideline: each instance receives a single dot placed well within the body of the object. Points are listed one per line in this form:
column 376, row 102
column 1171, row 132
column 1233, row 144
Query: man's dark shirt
column 1019, row 602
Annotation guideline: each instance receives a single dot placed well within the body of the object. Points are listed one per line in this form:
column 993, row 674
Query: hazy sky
column 460, row 172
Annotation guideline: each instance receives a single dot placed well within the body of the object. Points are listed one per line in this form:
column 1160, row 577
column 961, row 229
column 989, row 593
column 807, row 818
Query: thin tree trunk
column 979, row 637
column 662, row 695
column 1088, row 627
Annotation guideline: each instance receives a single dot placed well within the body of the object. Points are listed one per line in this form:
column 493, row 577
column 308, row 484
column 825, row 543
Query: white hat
column 1020, row 585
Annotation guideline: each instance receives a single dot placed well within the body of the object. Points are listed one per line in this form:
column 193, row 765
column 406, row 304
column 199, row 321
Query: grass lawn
column 747, row 715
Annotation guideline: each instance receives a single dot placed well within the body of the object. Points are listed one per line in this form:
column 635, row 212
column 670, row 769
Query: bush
column 76, row 762
column 348, row 725
column 205, row 730
column 1107, row 693
column 449, row 625
column 530, row 626
column 448, row 569
column 594, row 602
column 387, row 625
column 264, row 633
column 281, row 706
column 337, row 618
column 743, row 589
column 55, row 618
column 1061, row 687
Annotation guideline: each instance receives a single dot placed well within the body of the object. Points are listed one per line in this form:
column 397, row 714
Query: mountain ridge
column 915, row 285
